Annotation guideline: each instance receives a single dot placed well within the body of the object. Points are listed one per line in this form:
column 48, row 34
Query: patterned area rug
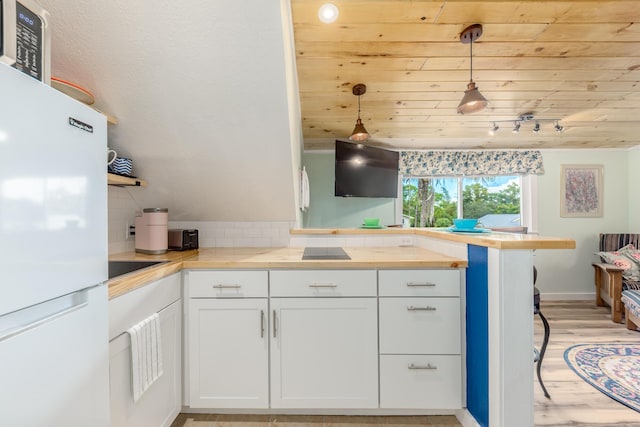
column 614, row 369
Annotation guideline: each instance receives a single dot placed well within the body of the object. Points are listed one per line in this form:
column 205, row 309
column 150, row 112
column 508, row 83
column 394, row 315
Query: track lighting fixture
column 359, row 132
column 524, row 118
column 473, row 101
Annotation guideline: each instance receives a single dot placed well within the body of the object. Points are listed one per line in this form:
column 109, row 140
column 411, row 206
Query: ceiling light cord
column 471, row 60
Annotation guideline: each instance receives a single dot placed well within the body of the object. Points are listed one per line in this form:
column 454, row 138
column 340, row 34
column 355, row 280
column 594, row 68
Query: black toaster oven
column 182, row 239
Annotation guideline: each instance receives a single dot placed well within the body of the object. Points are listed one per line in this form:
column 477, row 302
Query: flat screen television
column 364, row 171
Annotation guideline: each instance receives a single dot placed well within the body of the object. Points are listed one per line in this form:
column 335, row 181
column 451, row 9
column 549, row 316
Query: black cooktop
column 324, row 253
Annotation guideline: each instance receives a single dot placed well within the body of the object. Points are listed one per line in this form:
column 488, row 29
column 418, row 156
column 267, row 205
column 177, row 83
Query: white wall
column 632, row 190
column 328, row 211
column 568, row 273
column 122, row 212
column 203, row 95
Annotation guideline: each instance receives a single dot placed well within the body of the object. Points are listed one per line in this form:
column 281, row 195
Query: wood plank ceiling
column 576, row 61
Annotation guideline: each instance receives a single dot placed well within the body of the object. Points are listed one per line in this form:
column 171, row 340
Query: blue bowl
column 464, row 224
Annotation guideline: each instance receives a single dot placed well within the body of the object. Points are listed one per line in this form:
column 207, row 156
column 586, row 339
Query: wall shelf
column 113, row 179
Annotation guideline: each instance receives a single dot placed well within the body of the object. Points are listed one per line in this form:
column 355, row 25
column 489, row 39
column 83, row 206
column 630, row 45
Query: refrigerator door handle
column 21, row 321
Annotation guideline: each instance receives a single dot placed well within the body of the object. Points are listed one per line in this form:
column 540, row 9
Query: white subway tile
column 224, row 243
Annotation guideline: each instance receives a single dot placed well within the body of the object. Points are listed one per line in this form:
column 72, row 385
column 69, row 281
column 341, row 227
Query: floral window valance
column 470, row 163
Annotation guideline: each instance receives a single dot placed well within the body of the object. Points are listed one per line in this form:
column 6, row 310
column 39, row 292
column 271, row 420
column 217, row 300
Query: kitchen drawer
column 323, row 283
column 228, row 284
column 420, row 382
column 419, row 325
column 424, row 283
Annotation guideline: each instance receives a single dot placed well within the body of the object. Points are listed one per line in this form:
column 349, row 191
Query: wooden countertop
column 272, row 258
column 127, row 282
column 492, row 239
column 361, row 257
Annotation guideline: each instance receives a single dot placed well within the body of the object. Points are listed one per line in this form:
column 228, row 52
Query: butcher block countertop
column 120, row 285
column 272, row 258
column 494, row 239
column 361, row 257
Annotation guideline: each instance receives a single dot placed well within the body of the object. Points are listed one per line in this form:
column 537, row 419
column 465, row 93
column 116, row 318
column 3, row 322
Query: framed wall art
column 581, row 189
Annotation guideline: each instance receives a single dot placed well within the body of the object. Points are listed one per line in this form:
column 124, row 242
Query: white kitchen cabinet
column 420, row 339
column 420, row 381
column 161, row 403
column 324, row 349
column 228, row 344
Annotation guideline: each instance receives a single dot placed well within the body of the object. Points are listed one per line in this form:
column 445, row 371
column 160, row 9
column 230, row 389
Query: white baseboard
column 584, row 296
column 346, row 412
column 466, row 419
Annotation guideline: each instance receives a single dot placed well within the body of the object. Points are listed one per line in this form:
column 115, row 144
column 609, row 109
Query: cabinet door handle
column 426, row 284
column 323, row 285
column 429, row 366
column 427, row 308
column 274, row 324
column 227, row 286
column 261, row 323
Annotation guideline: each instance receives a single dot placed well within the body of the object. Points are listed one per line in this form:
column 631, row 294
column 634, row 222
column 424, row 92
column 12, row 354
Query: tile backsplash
column 239, row 234
column 123, row 208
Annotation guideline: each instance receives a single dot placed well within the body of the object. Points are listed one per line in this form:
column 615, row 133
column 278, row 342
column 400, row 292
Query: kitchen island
column 498, row 324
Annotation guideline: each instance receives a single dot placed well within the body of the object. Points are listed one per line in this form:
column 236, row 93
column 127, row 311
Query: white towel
column 146, row 355
column 304, row 190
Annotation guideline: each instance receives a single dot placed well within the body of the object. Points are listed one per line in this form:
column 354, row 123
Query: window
column 497, row 201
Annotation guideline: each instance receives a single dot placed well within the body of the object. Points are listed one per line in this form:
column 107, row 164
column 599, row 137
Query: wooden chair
column 608, row 278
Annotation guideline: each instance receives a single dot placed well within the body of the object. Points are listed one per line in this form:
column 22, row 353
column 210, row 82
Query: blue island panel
column 477, row 316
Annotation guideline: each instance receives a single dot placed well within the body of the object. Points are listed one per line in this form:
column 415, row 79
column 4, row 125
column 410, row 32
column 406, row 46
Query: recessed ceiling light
column 328, row 13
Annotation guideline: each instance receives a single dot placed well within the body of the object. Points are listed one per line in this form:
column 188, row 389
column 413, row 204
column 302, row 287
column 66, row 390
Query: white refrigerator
column 54, row 365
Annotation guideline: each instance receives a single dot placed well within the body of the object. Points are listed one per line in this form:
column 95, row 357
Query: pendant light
column 359, row 132
column 473, row 101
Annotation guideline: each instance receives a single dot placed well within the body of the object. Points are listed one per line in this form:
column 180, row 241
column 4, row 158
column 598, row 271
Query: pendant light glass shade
column 359, row 132
column 472, row 101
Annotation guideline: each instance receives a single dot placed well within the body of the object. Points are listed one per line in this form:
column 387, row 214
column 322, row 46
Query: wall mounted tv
column 365, row 171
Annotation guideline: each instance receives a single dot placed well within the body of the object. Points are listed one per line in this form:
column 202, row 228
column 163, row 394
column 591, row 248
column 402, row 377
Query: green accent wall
column 328, row 211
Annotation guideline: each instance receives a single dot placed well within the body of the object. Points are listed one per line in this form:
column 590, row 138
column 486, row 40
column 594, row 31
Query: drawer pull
column 427, row 308
column 429, row 366
column 426, row 284
column 261, row 323
column 226, row 286
column 323, row 285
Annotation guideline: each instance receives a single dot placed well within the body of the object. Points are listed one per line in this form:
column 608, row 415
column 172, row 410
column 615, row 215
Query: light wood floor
column 573, row 402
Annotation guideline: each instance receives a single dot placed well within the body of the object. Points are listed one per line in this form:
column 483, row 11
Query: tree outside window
column 433, row 202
